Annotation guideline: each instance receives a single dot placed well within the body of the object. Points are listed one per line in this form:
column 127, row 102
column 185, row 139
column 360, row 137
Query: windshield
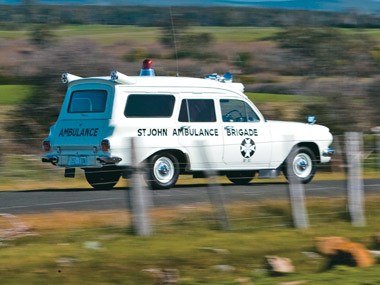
column 88, row 101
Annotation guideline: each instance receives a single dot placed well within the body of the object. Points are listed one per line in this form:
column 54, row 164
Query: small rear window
column 140, row 106
column 88, row 101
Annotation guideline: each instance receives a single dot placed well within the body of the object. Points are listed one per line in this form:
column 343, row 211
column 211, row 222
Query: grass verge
column 98, row 248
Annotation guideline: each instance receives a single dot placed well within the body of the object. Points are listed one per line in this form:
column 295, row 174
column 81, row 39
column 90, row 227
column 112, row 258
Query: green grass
column 108, row 34
column 13, row 94
column 375, row 33
column 237, row 34
column 14, row 34
column 182, row 240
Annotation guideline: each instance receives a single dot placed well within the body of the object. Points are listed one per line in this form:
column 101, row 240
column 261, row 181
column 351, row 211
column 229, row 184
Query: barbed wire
column 28, row 167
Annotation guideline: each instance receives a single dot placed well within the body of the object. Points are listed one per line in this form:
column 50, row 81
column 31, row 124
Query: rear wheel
column 301, row 164
column 163, row 171
column 102, row 178
column 241, row 177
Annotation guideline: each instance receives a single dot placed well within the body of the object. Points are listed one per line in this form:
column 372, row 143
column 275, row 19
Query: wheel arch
column 313, row 147
column 310, row 145
column 182, row 158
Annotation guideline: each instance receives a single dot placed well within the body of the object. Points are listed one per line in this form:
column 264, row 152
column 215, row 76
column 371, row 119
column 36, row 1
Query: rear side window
column 140, row 106
column 197, row 110
column 88, row 101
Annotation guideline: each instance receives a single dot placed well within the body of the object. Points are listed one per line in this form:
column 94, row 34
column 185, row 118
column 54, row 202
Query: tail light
column 46, row 146
column 105, row 145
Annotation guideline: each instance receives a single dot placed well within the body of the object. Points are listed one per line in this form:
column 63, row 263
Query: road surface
column 42, row 201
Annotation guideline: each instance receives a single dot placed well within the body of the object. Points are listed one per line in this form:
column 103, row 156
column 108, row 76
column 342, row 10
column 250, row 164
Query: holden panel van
column 179, row 125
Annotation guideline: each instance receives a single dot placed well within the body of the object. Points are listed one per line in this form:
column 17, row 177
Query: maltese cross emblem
column 247, row 148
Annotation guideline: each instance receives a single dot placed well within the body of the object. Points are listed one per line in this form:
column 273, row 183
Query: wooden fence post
column 297, row 200
column 376, row 131
column 214, row 191
column 140, row 198
column 355, row 200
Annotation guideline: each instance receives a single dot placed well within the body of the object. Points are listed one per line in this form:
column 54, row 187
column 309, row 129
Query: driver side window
column 237, row 111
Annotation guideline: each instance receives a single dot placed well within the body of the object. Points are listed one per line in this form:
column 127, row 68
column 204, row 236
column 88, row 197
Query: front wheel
column 102, row 178
column 163, row 171
column 301, row 165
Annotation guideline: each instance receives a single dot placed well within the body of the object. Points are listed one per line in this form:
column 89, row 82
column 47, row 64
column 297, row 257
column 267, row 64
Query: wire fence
column 214, row 201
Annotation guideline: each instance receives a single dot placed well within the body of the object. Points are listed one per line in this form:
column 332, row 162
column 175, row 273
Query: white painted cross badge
column 247, row 148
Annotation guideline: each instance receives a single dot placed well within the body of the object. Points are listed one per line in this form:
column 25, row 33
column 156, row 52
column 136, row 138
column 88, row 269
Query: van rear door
column 84, row 120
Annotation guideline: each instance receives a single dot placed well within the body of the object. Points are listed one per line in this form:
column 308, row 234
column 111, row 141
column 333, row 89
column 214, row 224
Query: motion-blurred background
column 294, row 57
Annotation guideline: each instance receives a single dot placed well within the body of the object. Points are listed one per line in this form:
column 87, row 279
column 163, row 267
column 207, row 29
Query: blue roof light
column 226, row 77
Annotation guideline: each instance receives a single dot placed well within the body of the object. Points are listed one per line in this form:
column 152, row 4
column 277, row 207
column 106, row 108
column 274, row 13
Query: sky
column 368, row 6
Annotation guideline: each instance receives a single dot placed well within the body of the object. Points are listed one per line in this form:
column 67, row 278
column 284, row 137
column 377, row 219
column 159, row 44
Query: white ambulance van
column 180, row 126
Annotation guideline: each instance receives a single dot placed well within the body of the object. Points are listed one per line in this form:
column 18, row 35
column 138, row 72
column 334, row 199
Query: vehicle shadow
column 121, row 188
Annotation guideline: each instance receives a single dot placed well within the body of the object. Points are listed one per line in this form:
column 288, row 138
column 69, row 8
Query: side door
column 246, row 137
column 200, row 133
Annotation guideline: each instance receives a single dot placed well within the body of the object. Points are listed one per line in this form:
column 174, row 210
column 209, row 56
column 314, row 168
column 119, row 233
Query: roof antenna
column 174, row 39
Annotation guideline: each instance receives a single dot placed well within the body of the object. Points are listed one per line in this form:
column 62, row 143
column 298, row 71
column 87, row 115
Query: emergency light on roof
column 67, row 78
column 147, row 69
column 119, row 77
column 226, row 77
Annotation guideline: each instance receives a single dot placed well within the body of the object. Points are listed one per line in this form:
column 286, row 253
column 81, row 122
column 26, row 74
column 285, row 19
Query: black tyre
column 300, row 165
column 163, row 171
column 241, row 177
column 102, row 178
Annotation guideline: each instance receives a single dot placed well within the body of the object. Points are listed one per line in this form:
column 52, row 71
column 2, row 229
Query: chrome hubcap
column 302, row 165
column 163, row 169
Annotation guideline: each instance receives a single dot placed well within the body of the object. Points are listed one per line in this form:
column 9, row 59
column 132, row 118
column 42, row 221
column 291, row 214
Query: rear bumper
column 80, row 160
column 50, row 159
column 109, row 160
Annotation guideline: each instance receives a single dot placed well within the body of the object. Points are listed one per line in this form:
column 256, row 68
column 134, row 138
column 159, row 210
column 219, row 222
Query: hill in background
column 363, row 6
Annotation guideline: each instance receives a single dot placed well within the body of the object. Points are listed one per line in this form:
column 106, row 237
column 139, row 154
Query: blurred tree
column 136, row 54
column 373, row 93
column 27, row 10
column 347, row 106
column 41, row 35
column 243, row 61
column 327, row 51
column 199, row 16
column 32, row 118
column 172, row 31
column 344, row 106
column 187, row 44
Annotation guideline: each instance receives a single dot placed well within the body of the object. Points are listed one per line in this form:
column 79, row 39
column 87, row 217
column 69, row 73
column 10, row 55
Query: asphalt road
column 42, row 201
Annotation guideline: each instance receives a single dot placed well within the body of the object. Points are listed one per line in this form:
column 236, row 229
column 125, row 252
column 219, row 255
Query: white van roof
column 156, row 81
